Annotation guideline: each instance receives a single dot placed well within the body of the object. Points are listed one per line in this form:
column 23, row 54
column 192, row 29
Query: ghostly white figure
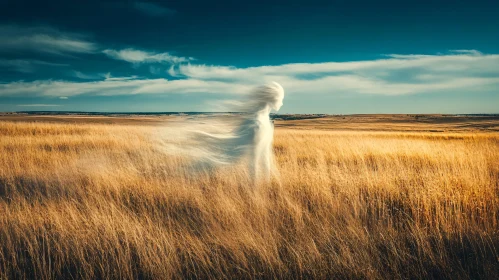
column 256, row 132
column 251, row 139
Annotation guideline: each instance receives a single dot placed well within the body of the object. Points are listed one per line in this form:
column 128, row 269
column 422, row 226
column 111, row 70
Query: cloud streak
column 118, row 86
column 463, row 71
column 437, row 64
column 394, row 75
column 26, row 66
column 14, row 38
column 38, row 105
column 84, row 76
column 138, row 56
column 22, row 41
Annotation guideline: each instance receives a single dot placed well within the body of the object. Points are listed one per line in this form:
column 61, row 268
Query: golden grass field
column 366, row 197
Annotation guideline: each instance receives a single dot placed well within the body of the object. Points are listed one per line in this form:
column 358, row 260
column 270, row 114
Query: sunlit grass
column 107, row 201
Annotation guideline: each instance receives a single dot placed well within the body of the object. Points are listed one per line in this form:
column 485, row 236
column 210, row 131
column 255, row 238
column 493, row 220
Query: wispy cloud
column 84, row 76
column 395, row 75
column 38, row 105
column 20, row 41
column 436, row 64
column 473, row 52
column 462, row 72
column 26, row 66
column 153, row 9
column 118, row 86
column 14, row 38
column 138, row 56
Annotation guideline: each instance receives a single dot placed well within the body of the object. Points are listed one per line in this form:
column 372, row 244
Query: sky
column 334, row 57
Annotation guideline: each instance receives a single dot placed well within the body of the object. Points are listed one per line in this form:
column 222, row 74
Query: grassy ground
column 96, row 200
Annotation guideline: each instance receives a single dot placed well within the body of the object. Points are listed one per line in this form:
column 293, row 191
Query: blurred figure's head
column 267, row 96
column 278, row 96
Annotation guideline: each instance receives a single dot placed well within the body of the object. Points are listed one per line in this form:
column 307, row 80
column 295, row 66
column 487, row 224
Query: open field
column 357, row 197
column 415, row 123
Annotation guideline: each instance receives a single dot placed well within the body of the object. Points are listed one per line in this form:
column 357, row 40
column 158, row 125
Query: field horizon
column 373, row 122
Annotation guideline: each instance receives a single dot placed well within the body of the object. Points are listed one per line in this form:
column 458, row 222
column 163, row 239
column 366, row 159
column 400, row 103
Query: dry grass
column 105, row 201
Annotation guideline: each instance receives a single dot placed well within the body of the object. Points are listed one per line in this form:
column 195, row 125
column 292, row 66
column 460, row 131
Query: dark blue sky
column 330, row 56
